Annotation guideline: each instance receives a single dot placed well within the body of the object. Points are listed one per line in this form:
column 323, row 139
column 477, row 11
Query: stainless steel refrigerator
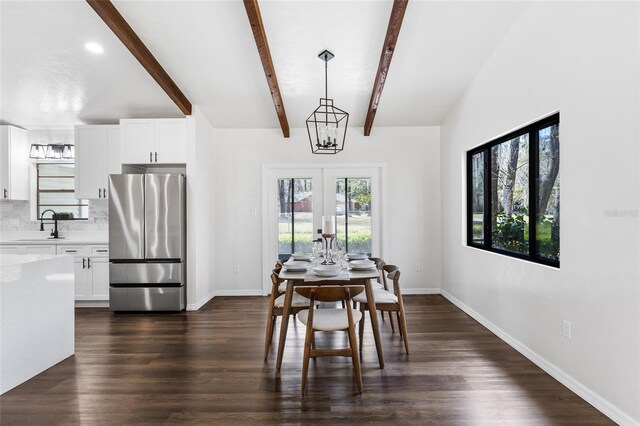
column 147, row 236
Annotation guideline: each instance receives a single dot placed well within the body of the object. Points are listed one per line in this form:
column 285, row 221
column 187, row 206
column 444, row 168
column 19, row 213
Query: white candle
column 328, row 224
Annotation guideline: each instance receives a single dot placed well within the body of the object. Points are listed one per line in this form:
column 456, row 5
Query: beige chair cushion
column 282, row 287
column 380, row 296
column 330, row 319
column 297, row 301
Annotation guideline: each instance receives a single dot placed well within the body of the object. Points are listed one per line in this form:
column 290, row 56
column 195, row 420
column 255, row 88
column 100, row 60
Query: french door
column 295, row 199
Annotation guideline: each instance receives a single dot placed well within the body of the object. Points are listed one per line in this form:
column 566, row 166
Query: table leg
column 284, row 322
column 374, row 320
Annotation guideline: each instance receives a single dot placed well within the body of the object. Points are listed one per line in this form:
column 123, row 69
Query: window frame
column 534, row 170
column 38, row 205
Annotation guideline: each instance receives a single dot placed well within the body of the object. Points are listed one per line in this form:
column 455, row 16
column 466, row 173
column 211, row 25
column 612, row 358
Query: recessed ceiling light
column 94, row 48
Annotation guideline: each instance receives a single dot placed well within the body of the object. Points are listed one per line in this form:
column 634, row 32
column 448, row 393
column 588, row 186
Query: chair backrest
column 329, row 293
column 379, row 262
column 393, row 273
column 275, row 277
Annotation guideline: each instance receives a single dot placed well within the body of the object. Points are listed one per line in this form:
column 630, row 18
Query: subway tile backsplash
column 15, row 216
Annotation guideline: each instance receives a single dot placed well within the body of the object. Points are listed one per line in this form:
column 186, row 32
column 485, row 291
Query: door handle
column 5, row 193
column 150, row 157
column 88, row 263
column 156, row 156
column 83, row 259
column 99, row 193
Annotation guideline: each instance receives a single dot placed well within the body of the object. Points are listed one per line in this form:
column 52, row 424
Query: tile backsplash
column 15, row 216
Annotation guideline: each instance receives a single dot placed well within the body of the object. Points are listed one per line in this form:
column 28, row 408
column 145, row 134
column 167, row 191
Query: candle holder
column 328, row 243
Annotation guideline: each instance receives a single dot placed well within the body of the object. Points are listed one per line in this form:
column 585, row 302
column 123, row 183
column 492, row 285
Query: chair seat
column 282, row 287
column 329, row 319
column 297, row 301
column 379, row 295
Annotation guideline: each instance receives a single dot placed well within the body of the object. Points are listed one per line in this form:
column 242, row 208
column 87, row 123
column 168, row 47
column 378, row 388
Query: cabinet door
column 171, row 141
column 37, row 249
column 82, row 279
column 100, row 278
column 91, row 161
column 10, row 249
column 137, row 141
column 14, row 163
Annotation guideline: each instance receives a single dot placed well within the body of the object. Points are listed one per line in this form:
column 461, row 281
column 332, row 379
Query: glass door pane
column 295, row 216
column 353, row 214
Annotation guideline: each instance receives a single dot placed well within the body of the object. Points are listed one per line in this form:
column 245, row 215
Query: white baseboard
column 574, row 385
column 424, row 290
column 92, row 304
column 256, row 292
column 200, row 303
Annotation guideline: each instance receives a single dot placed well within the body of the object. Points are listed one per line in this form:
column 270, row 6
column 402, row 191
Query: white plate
column 296, row 265
column 357, row 256
column 363, row 268
column 326, row 273
column 367, row 263
column 301, row 256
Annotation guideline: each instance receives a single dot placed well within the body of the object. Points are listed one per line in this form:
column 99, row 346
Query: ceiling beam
column 114, row 20
column 255, row 19
column 393, row 29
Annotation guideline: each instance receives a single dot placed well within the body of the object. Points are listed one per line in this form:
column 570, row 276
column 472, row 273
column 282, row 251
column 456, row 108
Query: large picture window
column 513, row 193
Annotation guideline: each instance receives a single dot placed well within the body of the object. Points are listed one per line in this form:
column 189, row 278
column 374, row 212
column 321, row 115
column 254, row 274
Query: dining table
column 347, row 277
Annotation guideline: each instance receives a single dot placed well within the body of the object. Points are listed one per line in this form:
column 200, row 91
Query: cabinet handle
column 99, row 193
column 101, row 251
column 88, row 263
column 156, row 156
column 104, row 192
column 83, row 259
column 5, row 193
column 70, row 251
column 150, row 157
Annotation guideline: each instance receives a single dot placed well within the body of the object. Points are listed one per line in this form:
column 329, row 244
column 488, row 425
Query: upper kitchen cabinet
column 14, row 163
column 97, row 156
column 157, row 141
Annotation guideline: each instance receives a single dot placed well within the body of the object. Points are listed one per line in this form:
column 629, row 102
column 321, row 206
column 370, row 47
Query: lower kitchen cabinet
column 92, row 276
column 33, row 249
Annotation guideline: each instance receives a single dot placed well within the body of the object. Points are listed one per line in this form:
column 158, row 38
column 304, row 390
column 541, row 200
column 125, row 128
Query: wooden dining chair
column 386, row 301
column 276, row 307
column 330, row 320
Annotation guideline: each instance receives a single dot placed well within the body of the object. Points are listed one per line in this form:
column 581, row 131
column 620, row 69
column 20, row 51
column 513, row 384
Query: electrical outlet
column 566, row 329
column 418, row 267
column 236, row 269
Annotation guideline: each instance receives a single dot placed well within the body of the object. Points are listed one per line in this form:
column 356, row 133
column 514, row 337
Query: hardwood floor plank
column 207, row 367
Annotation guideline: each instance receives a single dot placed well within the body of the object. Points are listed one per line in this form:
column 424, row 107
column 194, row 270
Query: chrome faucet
column 54, row 233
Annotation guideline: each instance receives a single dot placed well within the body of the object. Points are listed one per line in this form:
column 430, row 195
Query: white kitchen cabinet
column 40, row 249
column 97, row 156
column 27, row 249
column 14, row 163
column 5, row 249
column 153, row 141
column 92, row 272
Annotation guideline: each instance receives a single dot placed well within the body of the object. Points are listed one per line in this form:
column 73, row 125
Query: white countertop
column 21, row 259
column 42, row 238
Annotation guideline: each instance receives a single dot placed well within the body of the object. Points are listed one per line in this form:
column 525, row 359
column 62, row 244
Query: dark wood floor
column 206, row 367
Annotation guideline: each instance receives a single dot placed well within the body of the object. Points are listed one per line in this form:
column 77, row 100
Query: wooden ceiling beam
column 116, row 22
column 255, row 19
column 393, row 29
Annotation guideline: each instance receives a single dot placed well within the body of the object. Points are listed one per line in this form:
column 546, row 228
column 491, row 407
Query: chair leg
column 343, row 305
column 399, row 325
column 361, row 327
column 313, row 341
column 393, row 330
column 268, row 337
column 355, row 357
column 403, row 326
column 305, row 359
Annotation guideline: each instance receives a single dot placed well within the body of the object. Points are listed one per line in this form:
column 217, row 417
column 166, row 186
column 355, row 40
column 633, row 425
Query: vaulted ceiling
column 207, row 47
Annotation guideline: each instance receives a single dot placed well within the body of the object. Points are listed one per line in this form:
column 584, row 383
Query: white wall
column 200, row 210
column 580, row 59
column 413, row 200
